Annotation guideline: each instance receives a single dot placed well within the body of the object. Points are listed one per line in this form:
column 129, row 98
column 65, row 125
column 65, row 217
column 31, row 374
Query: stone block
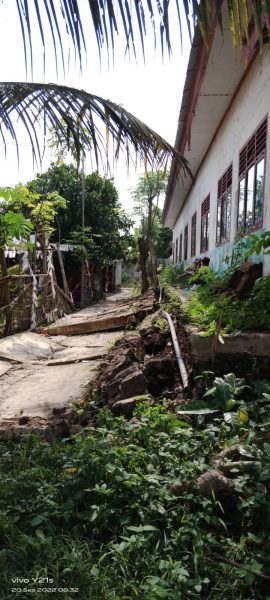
column 59, row 409
column 125, row 407
column 6, row 433
column 133, row 384
column 159, row 365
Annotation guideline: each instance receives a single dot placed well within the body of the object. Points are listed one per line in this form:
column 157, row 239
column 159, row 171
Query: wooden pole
column 6, row 295
column 63, row 273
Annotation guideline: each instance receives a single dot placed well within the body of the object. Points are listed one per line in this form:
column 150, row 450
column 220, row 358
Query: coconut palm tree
column 77, row 114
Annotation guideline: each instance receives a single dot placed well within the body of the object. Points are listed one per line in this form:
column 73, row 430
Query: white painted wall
column 118, row 273
column 250, row 107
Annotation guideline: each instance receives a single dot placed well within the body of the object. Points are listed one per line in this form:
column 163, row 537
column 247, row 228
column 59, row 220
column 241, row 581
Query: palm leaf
column 86, row 119
column 68, row 21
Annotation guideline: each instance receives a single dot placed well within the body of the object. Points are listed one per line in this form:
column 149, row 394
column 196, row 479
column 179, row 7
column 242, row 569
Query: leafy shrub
column 206, row 309
column 169, row 275
column 96, row 512
column 203, row 275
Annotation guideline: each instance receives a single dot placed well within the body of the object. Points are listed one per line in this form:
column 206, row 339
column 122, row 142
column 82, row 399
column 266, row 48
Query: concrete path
column 38, row 372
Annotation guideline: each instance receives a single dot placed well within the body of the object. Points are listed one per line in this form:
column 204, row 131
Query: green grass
column 97, row 513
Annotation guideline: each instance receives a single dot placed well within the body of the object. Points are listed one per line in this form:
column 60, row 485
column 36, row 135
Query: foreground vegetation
column 96, row 514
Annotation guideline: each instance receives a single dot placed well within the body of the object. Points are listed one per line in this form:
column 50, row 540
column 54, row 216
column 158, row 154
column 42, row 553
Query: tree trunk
column 144, row 252
column 6, row 294
column 83, row 284
column 63, row 273
column 154, row 266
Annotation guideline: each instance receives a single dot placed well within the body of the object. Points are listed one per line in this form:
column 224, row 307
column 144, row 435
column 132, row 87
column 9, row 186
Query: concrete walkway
column 38, row 372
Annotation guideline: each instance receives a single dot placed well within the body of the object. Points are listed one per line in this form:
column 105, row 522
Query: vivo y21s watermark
column 38, row 585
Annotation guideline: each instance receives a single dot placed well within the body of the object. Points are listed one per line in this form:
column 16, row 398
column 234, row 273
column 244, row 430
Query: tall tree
column 146, row 196
column 107, row 226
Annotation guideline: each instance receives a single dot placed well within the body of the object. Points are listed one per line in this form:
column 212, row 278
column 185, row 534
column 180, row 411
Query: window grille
column 223, row 226
column 193, row 234
column 251, row 181
column 205, row 211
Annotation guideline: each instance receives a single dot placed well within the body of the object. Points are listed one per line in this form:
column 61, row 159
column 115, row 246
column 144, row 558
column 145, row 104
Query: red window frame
column 180, row 247
column 251, row 190
column 205, row 211
column 224, row 199
column 176, row 250
column 193, row 234
column 186, row 242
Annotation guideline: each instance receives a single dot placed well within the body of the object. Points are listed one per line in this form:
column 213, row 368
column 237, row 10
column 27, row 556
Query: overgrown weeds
column 96, row 513
column 208, row 306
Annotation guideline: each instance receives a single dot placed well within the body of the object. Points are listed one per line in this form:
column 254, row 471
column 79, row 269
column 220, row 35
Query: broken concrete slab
column 92, row 319
column 89, row 326
column 72, row 355
column 4, row 367
column 36, row 387
column 25, row 346
column 4, row 357
column 37, row 393
column 251, row 344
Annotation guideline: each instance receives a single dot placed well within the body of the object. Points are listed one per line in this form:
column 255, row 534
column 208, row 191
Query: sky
column 151, row 91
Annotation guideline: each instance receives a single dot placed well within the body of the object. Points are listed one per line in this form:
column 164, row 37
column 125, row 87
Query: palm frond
column 73, row 20
column 84, row 118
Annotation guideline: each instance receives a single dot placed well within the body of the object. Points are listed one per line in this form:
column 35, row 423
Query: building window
column 193, row 234
column 224, row 207
column 181, row 247
column 176, row 250
column 251, row 181
column 185, row 242
column 205, row 210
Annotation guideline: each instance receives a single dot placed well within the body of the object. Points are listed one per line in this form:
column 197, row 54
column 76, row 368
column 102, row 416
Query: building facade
column 224, row 132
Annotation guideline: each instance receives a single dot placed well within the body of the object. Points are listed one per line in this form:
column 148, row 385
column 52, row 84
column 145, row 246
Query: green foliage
column 163, row 241
column 13, row 225
column 212, row 311
column 160, row 324
column 96, row 512
column 259, row 243
column 151, row 239
column 204, row 275
column 62, row 144
column 169, row 275
column 173, row 303
column 150, row 186
column 240, row 403
column 107, row 226
column 42, row 208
